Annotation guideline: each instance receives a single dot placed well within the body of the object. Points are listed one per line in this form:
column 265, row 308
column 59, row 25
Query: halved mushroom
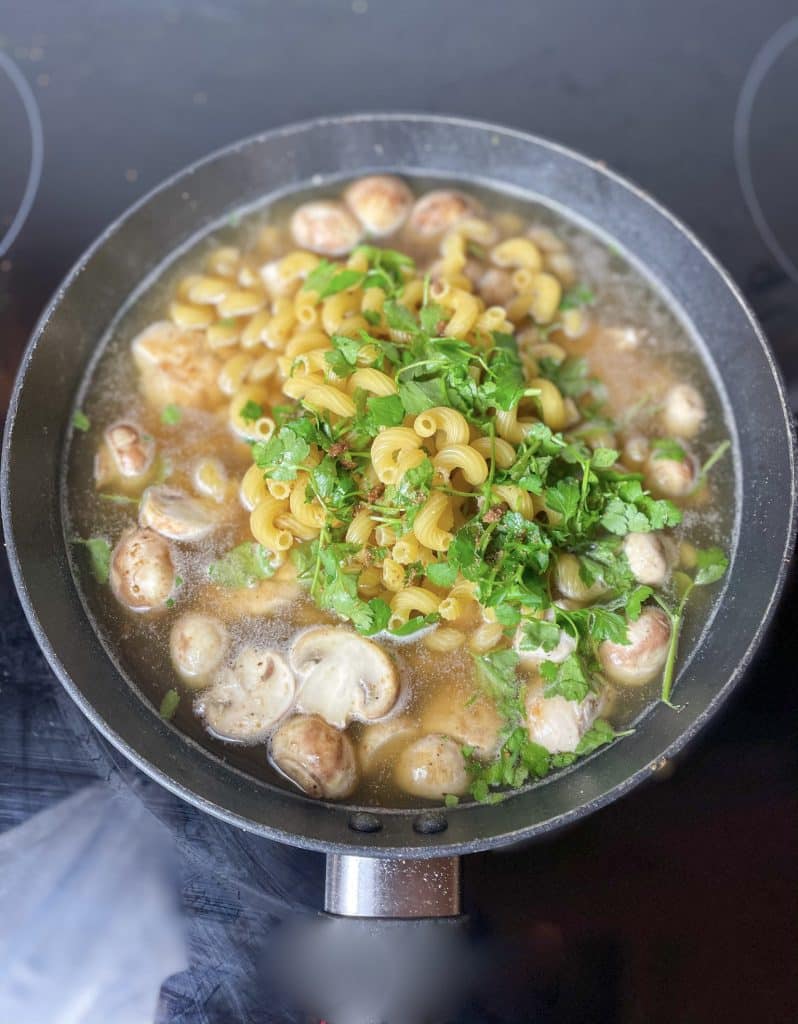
column 325, row 227
column 315, row 756
column 432, row 767
column 197, row 644
column 683, row 411
column 380, row 202
column 437, row 211
column 496, row 287
column 379, row 742
column 556, row 723
column 126, row 454
column 672, row 478
column 639, row 661
column 246, row 701
column 142, row 573
column 569, row 583
column 534, row 656
column 647, row 558
column 175, row 366
column 344, row 676
column 175, row 514
column 472, row 722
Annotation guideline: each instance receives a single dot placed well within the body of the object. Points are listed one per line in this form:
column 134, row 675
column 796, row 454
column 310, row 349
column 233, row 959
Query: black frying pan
column 380, row 860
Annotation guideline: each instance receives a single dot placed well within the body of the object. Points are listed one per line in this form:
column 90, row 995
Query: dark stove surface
column 679, row 902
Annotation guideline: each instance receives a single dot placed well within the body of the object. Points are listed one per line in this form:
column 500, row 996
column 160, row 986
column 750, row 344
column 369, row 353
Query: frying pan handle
column 377, row 888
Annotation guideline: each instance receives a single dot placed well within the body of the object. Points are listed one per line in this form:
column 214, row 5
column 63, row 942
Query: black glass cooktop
column 678, row 903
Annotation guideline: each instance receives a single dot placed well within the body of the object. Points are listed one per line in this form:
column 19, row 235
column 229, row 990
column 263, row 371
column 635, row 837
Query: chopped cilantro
column 80, row 421
column 283, row 455
column 578, row 296
column 169, row 704
column 171, row 415
column 242, row 566
column 667, row 448
column 99, row 556
column 250, row 411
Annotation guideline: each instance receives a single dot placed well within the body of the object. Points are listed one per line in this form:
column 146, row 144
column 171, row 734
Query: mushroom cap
column 197, row 645
column 684, row 411
column 646, row 557
column 378, row 742
column 533, row 657
column 344, row 676
column 131, row 455
column 175, row 366
column 556, row 723
column 673, row 478
column 437, row 211
column 142, row 573
column 432, row 767
column 471, row 721
column 247, row 700
column 175, row 514
column 639, row 661
column 380, row 202
column 315, row 756
column 325, row 227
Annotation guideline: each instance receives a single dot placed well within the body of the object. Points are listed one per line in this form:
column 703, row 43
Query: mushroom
column 343, row 676
column 432, row 767
column 437, row 211
column 175, row 514
column 647, row 558
column 142, row 573
column 673, row 478
column 176, row 367
column 325, row 227
column 532, row 657
column 569, row 584
column 380, row 202
column 246, row 701
column 635, row 451
column 496, row 287
column 683, row 411
column 126, row 454
column 315, row 756
column 472, row 722
column 556, row 723
column 197, row 644
column 378, row 742
column 643, row 657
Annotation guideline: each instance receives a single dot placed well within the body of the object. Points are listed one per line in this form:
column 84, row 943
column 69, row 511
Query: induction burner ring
column 763, row 63
column 31, row 107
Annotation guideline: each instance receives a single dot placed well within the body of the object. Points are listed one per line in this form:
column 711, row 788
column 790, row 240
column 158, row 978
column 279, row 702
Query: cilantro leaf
column 635, row 601
column 242, row 566
column 171, row 415
column 431, row 315
column 711, row 565
column 537, row 634
column 399, row 317
column 80, row 421
column 99, row 556
column 580, row 295
column 169, row 704
column 283, row 455
column 667, row 448
column 441, row 574
column 251, row 411
column 566, row 679
column 328, row 279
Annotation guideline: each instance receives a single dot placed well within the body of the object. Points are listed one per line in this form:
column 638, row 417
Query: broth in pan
column 400, row 493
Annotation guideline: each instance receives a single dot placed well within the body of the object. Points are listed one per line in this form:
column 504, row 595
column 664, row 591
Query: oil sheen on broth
column 473, row 679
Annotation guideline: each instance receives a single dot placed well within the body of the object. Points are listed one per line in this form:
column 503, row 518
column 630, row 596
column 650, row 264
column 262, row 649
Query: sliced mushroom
column 175, row 514
column 246, row 701
column 315, row 756
column 344, row 676
column 435, row 212
column 496, row 287
column 647, row 559
column 643, row 658
column 672, row 478
column 683, row 411
column 472, row 722
column 325, row 227
column 568, row 580
column 176, row 367
column 126, row 454
column 197, row 644
column 556, row 723
column 432, row 767
column 142, row 573
column 533, row 657
column 379, row 742
column 380, row 202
